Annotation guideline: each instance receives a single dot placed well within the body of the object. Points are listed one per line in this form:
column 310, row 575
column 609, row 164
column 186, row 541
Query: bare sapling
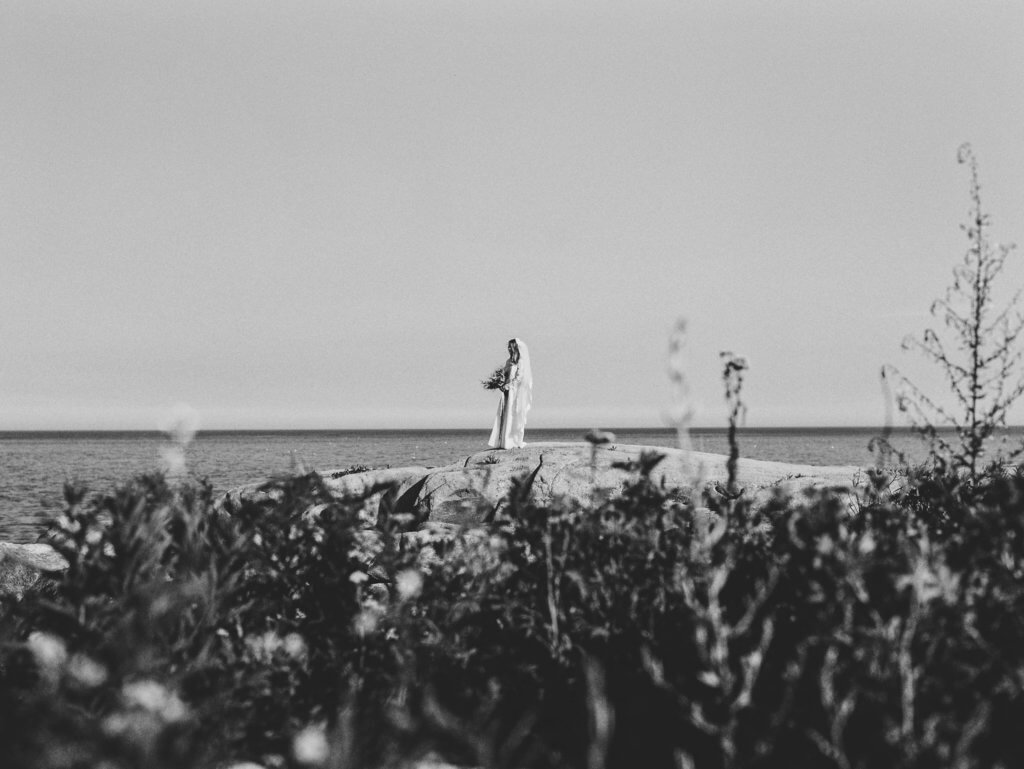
column 977, row 348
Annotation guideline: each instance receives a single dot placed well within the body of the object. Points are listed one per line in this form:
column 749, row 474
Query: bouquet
column 497, row 380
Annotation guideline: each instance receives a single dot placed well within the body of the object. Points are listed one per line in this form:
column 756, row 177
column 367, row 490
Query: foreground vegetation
column 809, row 633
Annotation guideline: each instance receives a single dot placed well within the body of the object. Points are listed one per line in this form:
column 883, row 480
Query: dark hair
column 513, row 350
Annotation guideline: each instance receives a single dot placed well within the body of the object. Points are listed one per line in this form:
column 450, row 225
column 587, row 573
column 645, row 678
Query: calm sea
column 34, row 465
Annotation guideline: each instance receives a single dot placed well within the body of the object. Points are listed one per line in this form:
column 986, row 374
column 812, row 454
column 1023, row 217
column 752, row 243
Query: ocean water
column 35, row 465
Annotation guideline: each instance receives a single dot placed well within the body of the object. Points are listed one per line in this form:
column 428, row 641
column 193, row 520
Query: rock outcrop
column 21, row 565
column 459, row 492
column 370, row 484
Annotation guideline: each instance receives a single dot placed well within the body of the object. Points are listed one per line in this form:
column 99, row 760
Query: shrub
column 805, row 633
column 979, row 354
column 242, row 619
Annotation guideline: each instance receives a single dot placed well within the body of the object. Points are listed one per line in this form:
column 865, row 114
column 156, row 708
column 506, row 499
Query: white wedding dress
column 510, row 421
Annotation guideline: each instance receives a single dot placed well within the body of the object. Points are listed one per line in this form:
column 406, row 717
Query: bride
column 516, row 398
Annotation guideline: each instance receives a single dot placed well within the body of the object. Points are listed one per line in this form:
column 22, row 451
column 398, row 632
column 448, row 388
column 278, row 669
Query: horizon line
column 582, row 428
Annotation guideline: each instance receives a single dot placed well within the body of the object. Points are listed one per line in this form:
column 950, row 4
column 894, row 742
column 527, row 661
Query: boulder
column 21, row 566
column 464, row 492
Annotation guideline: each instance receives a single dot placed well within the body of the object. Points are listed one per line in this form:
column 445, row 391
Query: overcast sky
column 335, row 214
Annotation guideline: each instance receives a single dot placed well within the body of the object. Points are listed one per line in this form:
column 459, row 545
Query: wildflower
column 358, row 577
column 120, row 724
column 69, row 525
column 295, row 646
column 866, row 544
column 155, row 698
column 181, row 425
column 173, row 458
column 366, row 621
column 310, row 745
column 86, row 672
column 50, row 654
column 409, row 583
column 263, row 647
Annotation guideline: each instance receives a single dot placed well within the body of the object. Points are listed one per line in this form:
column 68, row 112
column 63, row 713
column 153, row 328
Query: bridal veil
column 510, row 421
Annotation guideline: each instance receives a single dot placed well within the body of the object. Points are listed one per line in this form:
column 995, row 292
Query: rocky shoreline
column 465, row 492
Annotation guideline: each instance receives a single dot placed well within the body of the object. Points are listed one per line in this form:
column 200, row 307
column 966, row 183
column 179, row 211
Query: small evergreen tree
column 978, row 353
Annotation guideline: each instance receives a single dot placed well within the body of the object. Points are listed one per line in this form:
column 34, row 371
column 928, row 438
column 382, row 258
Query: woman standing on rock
column 515, row 380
